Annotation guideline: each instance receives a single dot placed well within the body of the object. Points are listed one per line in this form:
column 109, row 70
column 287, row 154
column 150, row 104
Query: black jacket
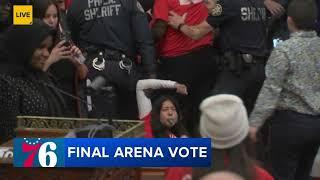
column 115, row 24
column 242, row 25
column 25, row 90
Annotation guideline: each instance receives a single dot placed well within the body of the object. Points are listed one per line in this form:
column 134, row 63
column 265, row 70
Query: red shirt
column 174, row 42
column 147, row 126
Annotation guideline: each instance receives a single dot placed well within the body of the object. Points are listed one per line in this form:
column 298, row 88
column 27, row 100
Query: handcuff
column 100, row 66
column 125, row 64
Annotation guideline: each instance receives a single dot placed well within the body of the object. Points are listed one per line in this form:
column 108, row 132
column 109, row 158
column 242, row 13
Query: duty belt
column 251, row 59
column 99, row 62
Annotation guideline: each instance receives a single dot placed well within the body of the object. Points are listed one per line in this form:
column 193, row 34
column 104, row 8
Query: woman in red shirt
column 163, row 118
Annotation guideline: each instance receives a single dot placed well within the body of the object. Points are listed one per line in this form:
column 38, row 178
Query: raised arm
column 144, row 103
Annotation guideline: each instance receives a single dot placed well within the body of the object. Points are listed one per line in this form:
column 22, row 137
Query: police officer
column 119, row 30
column 242, row 43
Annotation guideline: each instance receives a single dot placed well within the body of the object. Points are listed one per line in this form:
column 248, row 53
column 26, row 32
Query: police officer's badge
column 217, row 10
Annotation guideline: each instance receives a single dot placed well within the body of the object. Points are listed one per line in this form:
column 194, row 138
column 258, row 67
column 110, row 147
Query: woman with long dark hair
column 162, row 118
column 67, row 72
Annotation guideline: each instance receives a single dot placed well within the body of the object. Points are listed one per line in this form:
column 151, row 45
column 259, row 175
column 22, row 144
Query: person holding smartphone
column 26, row 87
column 69, row 71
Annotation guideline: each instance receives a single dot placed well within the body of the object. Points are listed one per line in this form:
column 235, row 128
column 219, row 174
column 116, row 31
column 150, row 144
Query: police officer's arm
column 194, row 32
column 143, row 38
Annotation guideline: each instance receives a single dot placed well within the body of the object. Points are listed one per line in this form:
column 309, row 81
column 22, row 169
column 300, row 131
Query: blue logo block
column 38, row 152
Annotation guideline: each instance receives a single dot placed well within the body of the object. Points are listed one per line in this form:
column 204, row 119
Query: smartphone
column 66, row 37
column 67, row 44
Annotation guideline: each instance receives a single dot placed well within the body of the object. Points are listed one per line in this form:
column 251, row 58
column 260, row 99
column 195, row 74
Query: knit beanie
column 224, row 119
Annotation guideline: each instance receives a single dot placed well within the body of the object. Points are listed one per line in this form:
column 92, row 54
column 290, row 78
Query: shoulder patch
column 217, row 11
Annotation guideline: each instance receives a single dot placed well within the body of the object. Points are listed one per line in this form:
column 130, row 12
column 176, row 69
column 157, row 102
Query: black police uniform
column 242, row 41
column 116, row 27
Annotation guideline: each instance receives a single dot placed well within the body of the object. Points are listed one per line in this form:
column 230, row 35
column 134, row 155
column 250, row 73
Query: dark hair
column 303, row 13
column 234, row 159
column 158, row 129
column 40, row 8
column 32, row 36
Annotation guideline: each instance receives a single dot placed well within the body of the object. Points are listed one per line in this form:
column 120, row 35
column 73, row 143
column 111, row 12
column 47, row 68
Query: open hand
column 78, row 62
column 60, row 52
column 274, row 7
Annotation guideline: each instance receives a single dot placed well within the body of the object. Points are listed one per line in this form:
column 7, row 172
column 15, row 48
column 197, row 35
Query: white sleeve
column 144, row 103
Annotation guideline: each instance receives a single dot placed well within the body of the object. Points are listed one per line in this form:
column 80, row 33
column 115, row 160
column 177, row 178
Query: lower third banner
column 112, row 152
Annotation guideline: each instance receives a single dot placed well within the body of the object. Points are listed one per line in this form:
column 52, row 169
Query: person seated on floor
column 162, row 118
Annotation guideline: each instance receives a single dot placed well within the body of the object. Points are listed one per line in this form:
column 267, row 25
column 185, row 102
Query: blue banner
column 112, row 152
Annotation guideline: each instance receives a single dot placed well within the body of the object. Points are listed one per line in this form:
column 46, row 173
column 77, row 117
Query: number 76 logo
column 37, row 152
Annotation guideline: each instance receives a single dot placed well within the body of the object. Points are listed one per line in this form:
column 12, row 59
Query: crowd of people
column 244, row 73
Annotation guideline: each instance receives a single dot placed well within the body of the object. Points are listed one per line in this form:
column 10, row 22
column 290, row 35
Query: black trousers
column 246, row 84
column 122, row 104
column 198, row 71
column 294, row 144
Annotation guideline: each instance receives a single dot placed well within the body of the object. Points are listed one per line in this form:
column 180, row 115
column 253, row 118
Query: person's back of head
column 303, row 13
column 224, row 119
